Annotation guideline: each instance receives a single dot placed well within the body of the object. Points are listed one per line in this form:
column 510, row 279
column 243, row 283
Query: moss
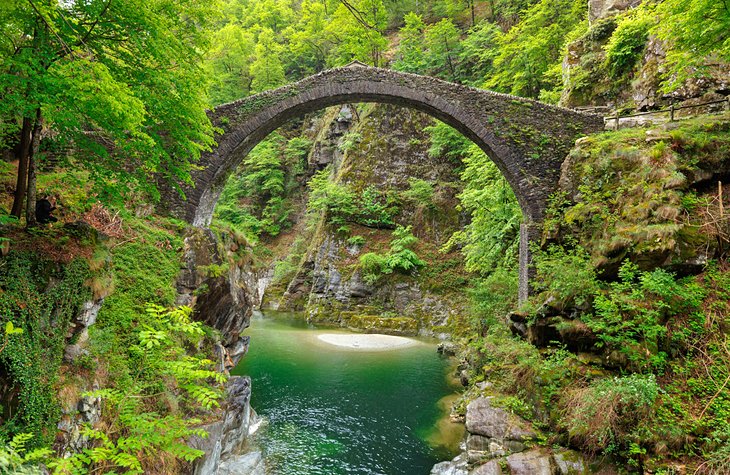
column 631, row 190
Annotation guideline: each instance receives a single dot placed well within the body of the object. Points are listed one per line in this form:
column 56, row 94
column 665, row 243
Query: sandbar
column 367, row 342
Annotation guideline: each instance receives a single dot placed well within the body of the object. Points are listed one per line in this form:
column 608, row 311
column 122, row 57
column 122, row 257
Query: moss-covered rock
column 645, row 194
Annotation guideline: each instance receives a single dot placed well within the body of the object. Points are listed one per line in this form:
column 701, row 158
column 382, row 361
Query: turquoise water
column 332, row 411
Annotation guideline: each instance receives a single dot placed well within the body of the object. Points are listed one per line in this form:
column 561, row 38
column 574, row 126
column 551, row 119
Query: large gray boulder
column 532, row 462
column 457, row 466
column 482, row 418
column 490, row 468
column 248, row 464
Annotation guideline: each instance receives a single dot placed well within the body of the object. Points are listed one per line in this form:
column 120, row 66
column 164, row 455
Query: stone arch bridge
column 526, row 139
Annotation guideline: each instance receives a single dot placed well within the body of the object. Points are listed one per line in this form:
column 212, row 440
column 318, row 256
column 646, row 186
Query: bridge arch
column 526, row 139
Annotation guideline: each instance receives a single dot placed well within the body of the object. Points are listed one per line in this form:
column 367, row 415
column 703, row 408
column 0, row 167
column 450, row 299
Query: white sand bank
column 367, row 342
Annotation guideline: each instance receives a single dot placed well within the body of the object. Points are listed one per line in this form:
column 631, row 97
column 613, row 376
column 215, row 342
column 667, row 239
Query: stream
column 333, row 410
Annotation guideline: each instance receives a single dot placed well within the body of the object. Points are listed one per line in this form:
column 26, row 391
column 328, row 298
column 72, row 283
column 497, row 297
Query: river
column 331, row 410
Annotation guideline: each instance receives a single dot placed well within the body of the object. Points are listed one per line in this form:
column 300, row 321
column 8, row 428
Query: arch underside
column 251, row 138
column 527, row 140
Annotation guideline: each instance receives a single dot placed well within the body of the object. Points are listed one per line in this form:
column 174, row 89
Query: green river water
column 331, row 410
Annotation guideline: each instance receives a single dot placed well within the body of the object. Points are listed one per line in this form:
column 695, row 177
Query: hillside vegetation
column 622, row 350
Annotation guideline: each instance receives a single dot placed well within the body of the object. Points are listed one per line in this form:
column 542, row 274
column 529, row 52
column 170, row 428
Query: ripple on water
column 334, row 412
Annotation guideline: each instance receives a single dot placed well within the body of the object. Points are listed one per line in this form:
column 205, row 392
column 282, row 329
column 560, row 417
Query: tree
column 229, row 63
column 309, row 41
column 529, row 50
column 442, row 41
column 411, row 54
column 478, row 52
column 120, row 80
column 267, row 69
column 694, row 29
column 359, row 27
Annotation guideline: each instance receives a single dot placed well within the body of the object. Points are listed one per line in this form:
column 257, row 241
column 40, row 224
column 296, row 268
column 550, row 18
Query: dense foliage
column 41, row 299
column 102, row 101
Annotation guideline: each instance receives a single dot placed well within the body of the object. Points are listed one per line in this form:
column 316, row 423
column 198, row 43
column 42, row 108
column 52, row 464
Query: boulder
column 532, row 462
column 248, row 464
column 570, row 462
column 490, row 468
column 457, row 466
column 482, row 418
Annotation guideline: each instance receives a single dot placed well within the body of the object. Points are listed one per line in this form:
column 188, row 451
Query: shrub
column 334, row 199
column 358, row 241
column 41, row 298
column 419, row 192
column 373, row 265
column 136, row 428
column 627, row 43
column 631, row 316
column 372, row 211
column 349, row 141
column 566, row 275
column 604, row 416
column 15, row 459
column 447, row 142
column 400, row 258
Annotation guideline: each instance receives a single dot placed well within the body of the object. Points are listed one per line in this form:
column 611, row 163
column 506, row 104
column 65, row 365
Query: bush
column 566, row 275
column 334, row 199
column 41, row 298
column 447, row 142
column 358, row 241
column 419, row 192
column 631, row 316
column 136, row 428
column 400, row 258
column 373, row 265
column 605, row 416
column 626, row 45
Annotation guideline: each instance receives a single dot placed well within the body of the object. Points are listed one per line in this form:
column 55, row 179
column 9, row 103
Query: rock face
column 533, row 462
column 69, row 440
column 598, row 9
column 391, row 150
column 79, row 330
column 226, row 436
column 219, row 292
column 588, row 82
column 85, row 409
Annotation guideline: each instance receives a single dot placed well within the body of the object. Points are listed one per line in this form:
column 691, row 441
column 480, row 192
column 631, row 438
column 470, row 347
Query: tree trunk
column 23, row 152
column 32, row 157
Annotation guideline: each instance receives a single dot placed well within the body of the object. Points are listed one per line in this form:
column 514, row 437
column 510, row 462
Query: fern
column 135, row 432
